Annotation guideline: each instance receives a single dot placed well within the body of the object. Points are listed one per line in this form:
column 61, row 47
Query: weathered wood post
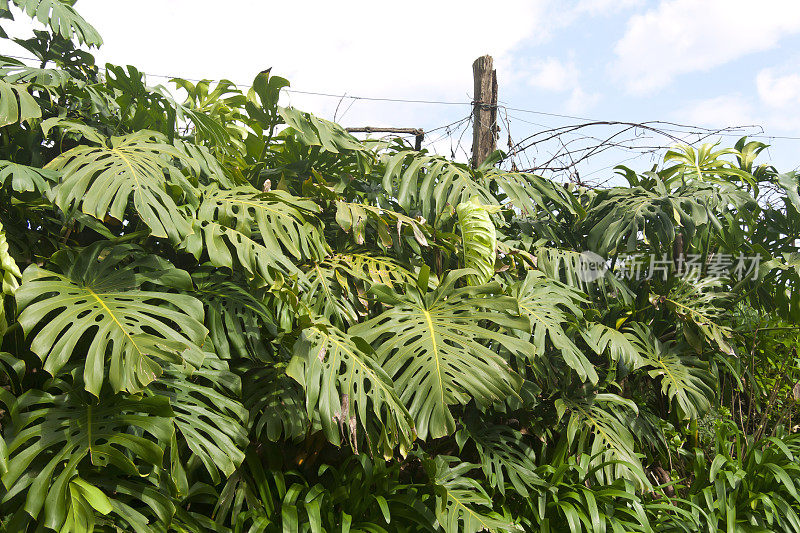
column 484, row 114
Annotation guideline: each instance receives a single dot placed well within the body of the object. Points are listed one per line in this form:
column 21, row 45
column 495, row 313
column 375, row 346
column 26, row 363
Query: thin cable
column 719, row 131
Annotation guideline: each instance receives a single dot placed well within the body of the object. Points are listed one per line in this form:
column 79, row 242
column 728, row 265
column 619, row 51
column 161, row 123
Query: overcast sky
column 713, row 63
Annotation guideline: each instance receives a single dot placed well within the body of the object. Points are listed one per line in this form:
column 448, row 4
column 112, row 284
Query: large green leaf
column 462, row 505
column 335, row 285
column 548, row 305
column 790, row 183
column 620, row 345
column 276, row 402
column 25, row 178
column 279, row 221
column 354, row 217
column 209, row 418
column 11, row 275
column 699, row 305
column 15, row 71
column 54, row 435
column 102, row 180
column 265, row 230
column 505, row 455
column 62, row 19
column 330, row 294
column 85, row 500
column 684, row 378
column 314, row 131
column 93, row 304
column 478, row 240
column 8, row 266
column 534, row 195
column 234, row 315
column 597, row 428
column 347, row 386
column 570, row 267
column 432, row 184
column 439, row 347
column 17, row 104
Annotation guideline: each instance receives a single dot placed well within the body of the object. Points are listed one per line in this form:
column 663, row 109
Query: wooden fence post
column 484, row 114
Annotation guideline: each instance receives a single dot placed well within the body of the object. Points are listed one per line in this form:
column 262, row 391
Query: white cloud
column 682, row 36
column 418, row 49
column 566, row 12
column 777, row 90
column 602, row 7
column 719, row 112
column 558, row 76
column 580, row 101
column 552, row 74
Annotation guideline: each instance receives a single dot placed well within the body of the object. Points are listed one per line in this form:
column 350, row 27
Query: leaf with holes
column 684, row 378
column 548, row 304
column 207, row 414
column 478, row 240
column 597, row 428
column 17, row 104
column 94, row 300
column 54, row 435
column 462, row 505
column 347, row 386
column 282, row 223
column 139, row 166
column 439, row 347
column 62, row 19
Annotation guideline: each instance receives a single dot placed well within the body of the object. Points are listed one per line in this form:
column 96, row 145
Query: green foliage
column 225, row 315
column 96, row 300
column 432, row 345
column 479, row 241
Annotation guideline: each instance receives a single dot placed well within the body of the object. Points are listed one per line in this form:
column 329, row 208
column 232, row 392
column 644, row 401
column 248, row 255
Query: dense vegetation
column 224, row 315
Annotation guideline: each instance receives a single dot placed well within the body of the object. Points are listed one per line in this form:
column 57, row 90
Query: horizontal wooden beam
column 419, row 133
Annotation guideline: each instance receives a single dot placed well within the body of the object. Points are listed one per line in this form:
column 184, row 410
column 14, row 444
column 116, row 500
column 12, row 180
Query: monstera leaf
column 25, row 178
column 85, row 499
column 234, row 316
column 597, row 427
column 354, row 218
column 56, row 434
column 330, row 294
column 276, row 402
column 462, row 505
column 265, row 230
column 790, row 183
column 548, row 304
column 699, row 303
column 8, row 267
column 207, row 415
column 347, row 386
column 93, row 305
column 17, row 104
column 620, row 345
column 278, row 220
column 439, row 346
column 62, row 19
column 102, row 180
column 432, row 184
column 314, row 131
column 15, row 71
column 684, row 378
column 619, row 217
column 335, row 285
column 504, row 455
column 536, row 196
column 478, row 240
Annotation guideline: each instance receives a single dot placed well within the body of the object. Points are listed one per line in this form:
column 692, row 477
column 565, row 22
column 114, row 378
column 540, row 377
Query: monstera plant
column 219, row 314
